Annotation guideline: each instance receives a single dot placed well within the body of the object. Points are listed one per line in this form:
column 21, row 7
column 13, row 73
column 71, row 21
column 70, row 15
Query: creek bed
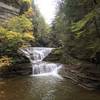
column 43, row 88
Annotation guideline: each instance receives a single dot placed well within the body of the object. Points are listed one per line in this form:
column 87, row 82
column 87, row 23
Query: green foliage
column 40, row 28
column 19, row 24
column 12, row 41
column 17, row 32
column 77, row 26
column 82, row 23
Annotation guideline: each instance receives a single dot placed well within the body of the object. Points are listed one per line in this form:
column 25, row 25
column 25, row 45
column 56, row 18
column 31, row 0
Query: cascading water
column 36, row 56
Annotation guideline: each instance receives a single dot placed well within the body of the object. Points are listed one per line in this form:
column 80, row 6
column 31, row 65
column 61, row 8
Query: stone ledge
column 18, row 70
column 5, row 6
column 86, row 81
column 7, row 11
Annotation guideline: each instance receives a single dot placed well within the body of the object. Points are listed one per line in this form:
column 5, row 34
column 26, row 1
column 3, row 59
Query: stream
column 43, row 88
column 45, row 83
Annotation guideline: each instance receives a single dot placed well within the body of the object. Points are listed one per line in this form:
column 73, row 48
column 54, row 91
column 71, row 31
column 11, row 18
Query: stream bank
column 83, row 74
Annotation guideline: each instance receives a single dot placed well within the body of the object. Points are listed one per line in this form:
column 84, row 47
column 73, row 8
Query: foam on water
column 39, row 67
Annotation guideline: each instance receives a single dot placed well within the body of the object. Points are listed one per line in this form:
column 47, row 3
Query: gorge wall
column 8, row 9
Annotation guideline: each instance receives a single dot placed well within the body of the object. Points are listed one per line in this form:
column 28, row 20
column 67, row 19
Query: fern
column 81, row 24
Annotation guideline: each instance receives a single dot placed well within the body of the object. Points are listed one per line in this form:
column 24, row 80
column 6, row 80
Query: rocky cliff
column 8, row 9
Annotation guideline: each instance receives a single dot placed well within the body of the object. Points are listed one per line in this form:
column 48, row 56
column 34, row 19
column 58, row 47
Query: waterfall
column 39, row 67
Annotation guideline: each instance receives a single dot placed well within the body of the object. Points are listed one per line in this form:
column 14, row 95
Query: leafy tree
column 19, row 24
column 77, row 26
column 11, row 41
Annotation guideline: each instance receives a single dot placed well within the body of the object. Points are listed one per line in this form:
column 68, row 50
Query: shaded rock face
column 13, row 3
column 88, row 78
column 17, row 70
column 8, row 9
column 54, row 56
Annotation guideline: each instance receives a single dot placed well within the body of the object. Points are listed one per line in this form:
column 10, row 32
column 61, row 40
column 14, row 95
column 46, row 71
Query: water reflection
column 43, row 88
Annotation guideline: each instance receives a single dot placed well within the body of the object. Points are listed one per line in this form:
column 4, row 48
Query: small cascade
column 36, row 56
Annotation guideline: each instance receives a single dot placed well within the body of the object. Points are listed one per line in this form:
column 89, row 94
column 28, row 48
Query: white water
column 36, row 54
column 39, row 67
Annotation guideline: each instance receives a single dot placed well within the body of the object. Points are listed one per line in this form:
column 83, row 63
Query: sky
column 47, row 9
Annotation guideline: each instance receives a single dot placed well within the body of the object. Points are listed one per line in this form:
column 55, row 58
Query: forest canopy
column 77, row 25
column 18, row 31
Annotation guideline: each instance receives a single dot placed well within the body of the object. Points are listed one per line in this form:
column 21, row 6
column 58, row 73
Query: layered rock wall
column 7, row 10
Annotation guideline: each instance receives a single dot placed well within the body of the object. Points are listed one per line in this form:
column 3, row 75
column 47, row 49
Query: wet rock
column 84, row 79
column 54, row 56
column 20, row 69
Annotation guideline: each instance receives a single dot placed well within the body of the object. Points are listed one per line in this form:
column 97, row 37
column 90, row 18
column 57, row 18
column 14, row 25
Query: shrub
column 5, row 62
column 11, row 41
column 19, row 24
column 15, row 33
